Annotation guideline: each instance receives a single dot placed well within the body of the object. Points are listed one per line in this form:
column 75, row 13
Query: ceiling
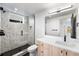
column 29, row 8
column 26, row 8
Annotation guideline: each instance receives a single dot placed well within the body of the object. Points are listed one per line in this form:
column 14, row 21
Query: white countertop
column 53, row 39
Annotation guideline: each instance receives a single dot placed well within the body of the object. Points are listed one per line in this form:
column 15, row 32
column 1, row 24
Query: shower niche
column 15, row 21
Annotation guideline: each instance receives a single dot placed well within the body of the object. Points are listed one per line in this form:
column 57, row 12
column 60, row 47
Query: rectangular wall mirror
column 61, row 23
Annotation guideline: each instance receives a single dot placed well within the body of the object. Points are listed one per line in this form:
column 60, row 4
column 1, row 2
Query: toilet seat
column 32, row 48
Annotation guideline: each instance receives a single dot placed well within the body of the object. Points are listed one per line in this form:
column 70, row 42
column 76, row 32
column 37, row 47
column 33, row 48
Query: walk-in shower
column 16, row 31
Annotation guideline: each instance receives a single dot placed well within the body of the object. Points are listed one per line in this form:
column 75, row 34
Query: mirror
column 61, row 24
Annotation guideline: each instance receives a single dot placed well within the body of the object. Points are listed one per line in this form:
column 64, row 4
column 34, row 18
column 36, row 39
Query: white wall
column 40, row 25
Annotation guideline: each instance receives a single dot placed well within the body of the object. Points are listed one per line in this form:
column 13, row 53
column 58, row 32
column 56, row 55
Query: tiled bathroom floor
column 16, row 50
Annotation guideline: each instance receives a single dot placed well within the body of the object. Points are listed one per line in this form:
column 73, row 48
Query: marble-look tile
column 12, row 38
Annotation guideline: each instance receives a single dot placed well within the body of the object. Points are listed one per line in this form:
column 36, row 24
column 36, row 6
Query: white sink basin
column 68, row 44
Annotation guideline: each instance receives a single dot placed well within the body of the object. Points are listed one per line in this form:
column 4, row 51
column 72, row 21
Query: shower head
column 2, row 9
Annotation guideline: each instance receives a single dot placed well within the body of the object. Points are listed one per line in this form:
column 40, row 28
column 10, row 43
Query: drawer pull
column 61, row 51
column 66, row 53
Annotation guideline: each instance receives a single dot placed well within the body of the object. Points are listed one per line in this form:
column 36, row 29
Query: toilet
column 32, row 50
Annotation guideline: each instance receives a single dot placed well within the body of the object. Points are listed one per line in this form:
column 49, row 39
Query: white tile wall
column 12, row 38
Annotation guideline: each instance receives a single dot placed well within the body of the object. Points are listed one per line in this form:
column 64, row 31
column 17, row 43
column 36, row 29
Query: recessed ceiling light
column 15, row 9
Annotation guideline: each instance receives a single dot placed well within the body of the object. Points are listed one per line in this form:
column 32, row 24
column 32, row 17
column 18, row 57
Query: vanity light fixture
column 62, row 9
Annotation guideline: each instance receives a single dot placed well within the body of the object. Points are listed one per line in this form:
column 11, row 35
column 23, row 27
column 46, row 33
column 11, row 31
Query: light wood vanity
column 45, row 49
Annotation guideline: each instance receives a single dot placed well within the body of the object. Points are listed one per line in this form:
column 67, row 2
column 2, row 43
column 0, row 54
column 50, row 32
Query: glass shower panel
column 15, row 33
